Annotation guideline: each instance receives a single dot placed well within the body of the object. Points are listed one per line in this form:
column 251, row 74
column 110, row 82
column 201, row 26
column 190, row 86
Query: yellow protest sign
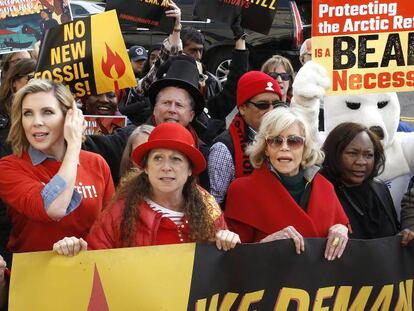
column 366, row 46
column 111, row 63
column 130, row 279
column 88, row 55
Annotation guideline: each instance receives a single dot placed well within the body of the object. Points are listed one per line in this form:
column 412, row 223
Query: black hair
column 336, row 142
column 147, row 64
column 47, row 11
column 190, row 34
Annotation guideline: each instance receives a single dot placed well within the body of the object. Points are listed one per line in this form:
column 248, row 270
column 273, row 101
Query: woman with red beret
column 161, row 205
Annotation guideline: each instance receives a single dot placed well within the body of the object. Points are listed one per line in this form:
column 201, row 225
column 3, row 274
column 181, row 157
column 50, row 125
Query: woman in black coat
column 354, row 157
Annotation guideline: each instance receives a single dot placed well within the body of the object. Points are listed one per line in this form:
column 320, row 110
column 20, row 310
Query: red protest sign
column 103, row 125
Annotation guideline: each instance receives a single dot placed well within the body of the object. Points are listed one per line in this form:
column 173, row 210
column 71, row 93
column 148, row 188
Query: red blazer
column 259, row 205
column 152, row 229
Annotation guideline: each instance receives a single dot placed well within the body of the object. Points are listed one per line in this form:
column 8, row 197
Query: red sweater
column 152, row 229
column 259, row 205
column 20, row 188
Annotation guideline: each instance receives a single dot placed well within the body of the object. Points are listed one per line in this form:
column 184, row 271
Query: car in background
column 85, row 8
column 291, row 26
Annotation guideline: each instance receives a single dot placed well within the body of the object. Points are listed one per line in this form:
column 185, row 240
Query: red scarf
column 242, row 163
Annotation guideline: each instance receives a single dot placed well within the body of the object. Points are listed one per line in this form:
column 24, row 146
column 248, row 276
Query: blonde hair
column 277, row 60
column 273, row 123
column 17, row 135
column 126, row 162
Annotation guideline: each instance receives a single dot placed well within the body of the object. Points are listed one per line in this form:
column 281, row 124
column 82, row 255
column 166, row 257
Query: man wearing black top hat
column 175, row 97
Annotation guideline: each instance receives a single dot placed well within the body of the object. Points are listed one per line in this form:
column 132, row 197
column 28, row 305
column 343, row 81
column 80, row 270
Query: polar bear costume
column 380, row 112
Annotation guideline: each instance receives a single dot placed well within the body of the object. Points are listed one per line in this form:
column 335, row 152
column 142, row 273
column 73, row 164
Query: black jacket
column 135, row 106
column 110, row 147
column 220, row 105
column 363, row 229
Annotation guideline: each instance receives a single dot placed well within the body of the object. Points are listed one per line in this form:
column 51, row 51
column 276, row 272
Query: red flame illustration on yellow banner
column 114, row 67
column 98, row 300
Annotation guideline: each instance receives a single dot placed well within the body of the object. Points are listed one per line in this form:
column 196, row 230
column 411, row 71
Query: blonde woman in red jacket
column 285, row 197
column 51, row 187
column 161, row 205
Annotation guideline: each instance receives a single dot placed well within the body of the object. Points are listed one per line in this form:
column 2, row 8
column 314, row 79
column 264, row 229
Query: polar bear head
column 379, row 112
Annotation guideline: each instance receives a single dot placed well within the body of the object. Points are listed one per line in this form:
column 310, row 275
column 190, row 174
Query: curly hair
column 135, row 187
column 337, row 141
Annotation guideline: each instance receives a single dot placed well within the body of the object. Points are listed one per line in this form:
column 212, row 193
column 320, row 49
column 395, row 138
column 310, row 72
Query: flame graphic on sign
column 114, row 67
column 98, row 299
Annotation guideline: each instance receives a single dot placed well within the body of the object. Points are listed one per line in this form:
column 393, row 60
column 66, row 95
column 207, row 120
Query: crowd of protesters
column 176, row 173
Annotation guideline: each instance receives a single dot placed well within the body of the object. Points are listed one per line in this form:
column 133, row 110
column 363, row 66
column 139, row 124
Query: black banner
column 371, row 275
column 142, row 14
column 256, row 15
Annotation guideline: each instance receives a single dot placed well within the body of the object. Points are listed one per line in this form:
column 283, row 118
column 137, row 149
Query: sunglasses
column 265, row 105
column 284, row 75
column 293, row 141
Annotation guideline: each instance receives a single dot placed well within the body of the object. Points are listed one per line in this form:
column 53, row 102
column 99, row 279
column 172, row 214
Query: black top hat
column 179, row 71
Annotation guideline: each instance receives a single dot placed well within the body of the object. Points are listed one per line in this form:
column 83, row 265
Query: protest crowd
column 177, row 172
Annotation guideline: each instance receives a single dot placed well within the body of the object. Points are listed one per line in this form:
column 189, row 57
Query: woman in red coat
column 161, row 205
column 286, row 197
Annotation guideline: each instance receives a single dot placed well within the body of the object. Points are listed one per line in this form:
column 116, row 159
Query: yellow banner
column 367, row 63
column 117, row 279
column 111, row 63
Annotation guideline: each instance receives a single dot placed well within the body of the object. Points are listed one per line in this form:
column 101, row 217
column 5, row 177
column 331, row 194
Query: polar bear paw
column 310, row 83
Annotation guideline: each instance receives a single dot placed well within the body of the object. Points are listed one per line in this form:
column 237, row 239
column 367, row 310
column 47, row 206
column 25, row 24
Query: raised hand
column 74, row 126
column 310, row 83
column 175, row 12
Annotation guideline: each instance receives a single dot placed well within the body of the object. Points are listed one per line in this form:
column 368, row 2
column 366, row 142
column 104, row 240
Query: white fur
column 399, row 147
